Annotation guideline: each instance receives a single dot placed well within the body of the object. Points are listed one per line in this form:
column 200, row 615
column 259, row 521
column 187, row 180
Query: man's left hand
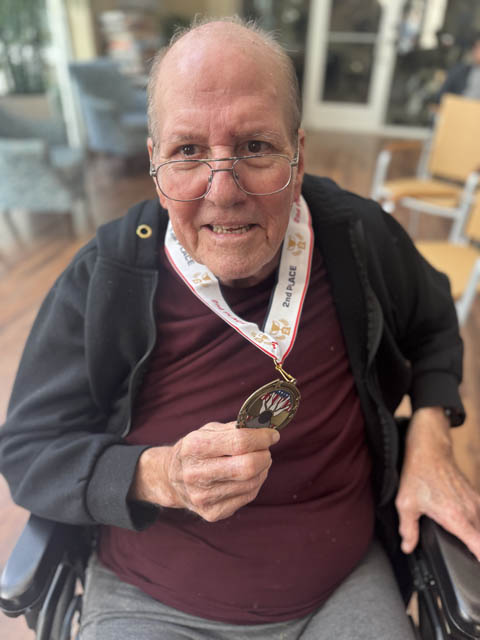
column 431, row 484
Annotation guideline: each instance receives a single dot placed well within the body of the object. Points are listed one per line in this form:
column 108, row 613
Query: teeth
column 217, row 228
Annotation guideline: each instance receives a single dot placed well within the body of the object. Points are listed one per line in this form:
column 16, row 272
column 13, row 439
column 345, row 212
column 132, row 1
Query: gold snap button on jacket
column 144, row 231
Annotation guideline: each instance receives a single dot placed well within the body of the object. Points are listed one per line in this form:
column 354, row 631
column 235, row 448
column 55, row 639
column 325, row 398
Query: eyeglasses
column 256, row 175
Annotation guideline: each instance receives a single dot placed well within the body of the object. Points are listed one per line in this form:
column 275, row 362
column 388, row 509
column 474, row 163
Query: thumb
column 410, row 537
column 408, row 527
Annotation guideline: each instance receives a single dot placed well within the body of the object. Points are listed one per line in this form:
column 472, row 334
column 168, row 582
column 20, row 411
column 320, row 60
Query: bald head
column 228, row 47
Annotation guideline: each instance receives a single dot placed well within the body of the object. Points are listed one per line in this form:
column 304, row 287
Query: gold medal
column 271, row 406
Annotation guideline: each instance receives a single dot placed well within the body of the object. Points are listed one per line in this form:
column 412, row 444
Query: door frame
column 348, row 116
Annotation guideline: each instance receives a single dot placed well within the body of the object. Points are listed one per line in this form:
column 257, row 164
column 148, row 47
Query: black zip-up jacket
column 62, row 449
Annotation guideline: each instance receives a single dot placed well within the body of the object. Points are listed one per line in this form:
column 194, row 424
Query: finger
column 408, row 528
column 207, row 472
column 457, row 510
column 211, row 441
column 223, row 500
column 410, row 535
column 207, row 496
column 223, row 510
column 231, row 468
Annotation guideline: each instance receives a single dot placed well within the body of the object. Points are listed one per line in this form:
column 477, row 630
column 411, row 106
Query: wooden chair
column 460, row 260
column 447, row 174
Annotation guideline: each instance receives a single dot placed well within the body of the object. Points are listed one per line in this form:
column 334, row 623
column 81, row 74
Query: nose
column 224, row 191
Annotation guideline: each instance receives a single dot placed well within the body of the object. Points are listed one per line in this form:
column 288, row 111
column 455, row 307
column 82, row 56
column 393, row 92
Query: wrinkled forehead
column 217, row 43
column 200, row 68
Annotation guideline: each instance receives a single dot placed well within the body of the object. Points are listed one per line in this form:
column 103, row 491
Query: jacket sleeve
column 56, row 452
column 420, row 314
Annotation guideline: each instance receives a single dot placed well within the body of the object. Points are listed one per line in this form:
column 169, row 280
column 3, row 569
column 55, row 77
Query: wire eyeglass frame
column 206, row 161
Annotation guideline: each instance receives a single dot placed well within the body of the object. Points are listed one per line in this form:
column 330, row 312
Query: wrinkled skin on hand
column 431, row 484
column 213, row 471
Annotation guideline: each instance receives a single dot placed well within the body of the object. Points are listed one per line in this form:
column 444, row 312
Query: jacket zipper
column 132, row 384
column 374, row 334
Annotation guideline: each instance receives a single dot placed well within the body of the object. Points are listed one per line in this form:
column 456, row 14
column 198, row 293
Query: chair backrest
column 472, row 229
column 455, row 149
column 101, row 78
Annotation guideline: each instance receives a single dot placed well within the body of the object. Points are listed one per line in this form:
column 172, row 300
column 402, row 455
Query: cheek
column 278, row 218
column 162, row 199
column 276, row 232
column 182, row 219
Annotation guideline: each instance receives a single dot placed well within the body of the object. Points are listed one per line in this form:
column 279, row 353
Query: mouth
column 221, row 229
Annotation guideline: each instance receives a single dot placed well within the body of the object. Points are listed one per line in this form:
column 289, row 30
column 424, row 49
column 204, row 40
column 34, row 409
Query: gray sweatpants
column 366, row 606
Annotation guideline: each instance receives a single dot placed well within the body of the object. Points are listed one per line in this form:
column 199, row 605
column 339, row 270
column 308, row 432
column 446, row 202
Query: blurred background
column 73, row 76
column 73, row 129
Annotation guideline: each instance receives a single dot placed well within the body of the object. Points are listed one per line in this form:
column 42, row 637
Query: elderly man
column 174, row 350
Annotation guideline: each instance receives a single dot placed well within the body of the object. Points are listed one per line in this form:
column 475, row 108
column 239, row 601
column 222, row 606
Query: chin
column 247, row 277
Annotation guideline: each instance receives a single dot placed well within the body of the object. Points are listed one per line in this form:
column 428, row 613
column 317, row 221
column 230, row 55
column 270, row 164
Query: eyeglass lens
column 190, row 179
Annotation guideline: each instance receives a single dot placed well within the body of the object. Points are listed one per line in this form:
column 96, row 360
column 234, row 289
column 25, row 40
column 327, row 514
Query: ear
column 301, row 164
column 161, row 197
column 150, row 148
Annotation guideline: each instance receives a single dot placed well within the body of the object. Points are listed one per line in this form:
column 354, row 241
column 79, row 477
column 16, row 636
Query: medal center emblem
column 273, row 406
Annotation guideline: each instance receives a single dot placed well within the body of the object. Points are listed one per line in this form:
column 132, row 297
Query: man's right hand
column 212, row 471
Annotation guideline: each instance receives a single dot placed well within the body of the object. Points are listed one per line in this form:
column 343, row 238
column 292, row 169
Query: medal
column 274, row 404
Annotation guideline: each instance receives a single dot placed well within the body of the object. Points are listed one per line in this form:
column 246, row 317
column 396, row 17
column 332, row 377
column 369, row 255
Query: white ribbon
column 283, row 317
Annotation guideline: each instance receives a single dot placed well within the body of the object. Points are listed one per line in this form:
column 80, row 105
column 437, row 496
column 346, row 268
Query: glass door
column 288, row 20
column 433, row 37
column 350, row 58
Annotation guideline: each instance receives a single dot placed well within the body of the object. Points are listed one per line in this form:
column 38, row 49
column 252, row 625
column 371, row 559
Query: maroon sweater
column 282, row 555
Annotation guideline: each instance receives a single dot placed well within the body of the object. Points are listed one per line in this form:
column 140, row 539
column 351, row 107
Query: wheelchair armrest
column 32, row 564
column 452, row 575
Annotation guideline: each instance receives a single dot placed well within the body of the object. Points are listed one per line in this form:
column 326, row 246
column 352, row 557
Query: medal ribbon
column 281, row 323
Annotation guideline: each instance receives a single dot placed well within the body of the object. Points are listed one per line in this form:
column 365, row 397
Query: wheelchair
column 45, row 572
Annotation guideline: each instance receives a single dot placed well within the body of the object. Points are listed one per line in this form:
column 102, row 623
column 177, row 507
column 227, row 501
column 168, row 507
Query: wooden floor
column 31, row 270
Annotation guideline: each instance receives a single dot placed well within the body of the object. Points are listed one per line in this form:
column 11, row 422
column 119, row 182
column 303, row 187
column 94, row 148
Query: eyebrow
column 267, row 134
column 247, row 134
